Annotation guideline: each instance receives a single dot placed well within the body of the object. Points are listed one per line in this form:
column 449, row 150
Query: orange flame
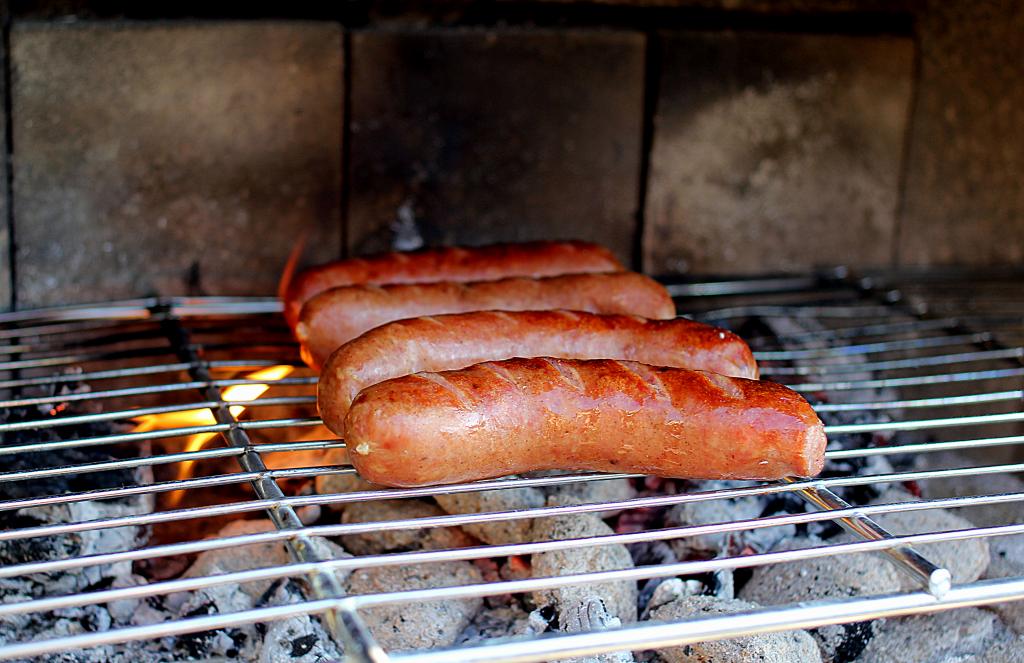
column 289, row 267
column 204, row 417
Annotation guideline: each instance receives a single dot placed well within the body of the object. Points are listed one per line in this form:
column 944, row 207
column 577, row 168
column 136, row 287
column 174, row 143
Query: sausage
column 448, row 342
column 522, row 415
column 335, row 317
column 484, row 263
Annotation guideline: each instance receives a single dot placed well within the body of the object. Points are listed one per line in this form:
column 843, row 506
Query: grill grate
column 944, row 351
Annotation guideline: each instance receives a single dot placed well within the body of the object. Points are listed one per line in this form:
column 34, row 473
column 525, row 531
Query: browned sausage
column 449, row 342
column 522, row 415
column 484, row 263
column 335, row 317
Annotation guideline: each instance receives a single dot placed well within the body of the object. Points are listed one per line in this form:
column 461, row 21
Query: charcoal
column 837, row 577
column 301, row 639
column 56, row 485
column 592, row 615
column 340, row 483
column 303, row 635
column 1007, row 561
column 88, row 542
column 722, row 511
column 501, row 622
column 672, row 589
column 76, row 621
column 539, row 621
column 381, row 541
column 253, row 556
column 619, row 598
column 1006, row 553
column 724, row 583
column 510, row 499
column 592, row 492
column 708, row 512
column 70, row 621
column 128, row 611
column 297, row 640
column 516, row 567
column 1004, row 651
column 944, row 637
column 966, row 559
column 785, row 647
column 417, row 625
column 647, row 553
column 860, row 466
column 70, row 483
column 987, row 515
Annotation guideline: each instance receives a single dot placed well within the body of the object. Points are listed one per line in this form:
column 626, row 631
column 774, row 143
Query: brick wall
column 185, row 156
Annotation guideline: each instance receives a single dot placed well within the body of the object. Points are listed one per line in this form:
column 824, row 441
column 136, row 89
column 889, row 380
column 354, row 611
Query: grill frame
column 882, row 295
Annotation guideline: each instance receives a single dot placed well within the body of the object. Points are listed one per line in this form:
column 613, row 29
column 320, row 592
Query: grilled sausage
column 449, row 342
column 522, row 415
column 335, row 317
column 484, row 263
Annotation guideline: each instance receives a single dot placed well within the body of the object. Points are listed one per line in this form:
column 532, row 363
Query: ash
column 296, row 640
column 71, row 621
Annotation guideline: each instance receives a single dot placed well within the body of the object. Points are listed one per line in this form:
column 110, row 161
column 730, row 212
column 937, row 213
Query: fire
column 204, row 416
column 289, row 267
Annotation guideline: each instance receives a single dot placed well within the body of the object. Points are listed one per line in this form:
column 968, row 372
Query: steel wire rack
column 938, row 354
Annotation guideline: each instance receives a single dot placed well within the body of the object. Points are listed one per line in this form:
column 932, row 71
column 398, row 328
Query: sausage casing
column 484, row 263
column 522, row 415
column 339, row 315
column 449, row 342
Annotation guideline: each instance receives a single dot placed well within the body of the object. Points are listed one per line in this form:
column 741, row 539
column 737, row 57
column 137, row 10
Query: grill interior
column 902, row 367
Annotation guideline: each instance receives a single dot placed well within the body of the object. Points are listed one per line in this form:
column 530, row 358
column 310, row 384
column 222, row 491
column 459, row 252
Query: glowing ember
column 204, row 416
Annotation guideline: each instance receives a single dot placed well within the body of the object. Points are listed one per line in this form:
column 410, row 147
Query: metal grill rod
column 789, row 311
column 172, row 486
column 919, row 424
column 118, row 334
column 154, row 334
column 68, row 360
column 157, row 388
column 200, row 482
column 655, row 635
column 127, row 463
column 916, row 424
column 403, row 559
column 149, row 308
column 895, row 364
column 39, row 330
column 133, row 371
column 135, row 437
column 669, row 570
column 941, row 401
column 845, row 351
column 866, row 330
column 302, row 548
column 926, row 447
column 340, row 498
column 457, row 519
column 160, row 388
column 115, row 415
column 1009, row 589
column 442, row 521
column 917, row 380
column 935, row 579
